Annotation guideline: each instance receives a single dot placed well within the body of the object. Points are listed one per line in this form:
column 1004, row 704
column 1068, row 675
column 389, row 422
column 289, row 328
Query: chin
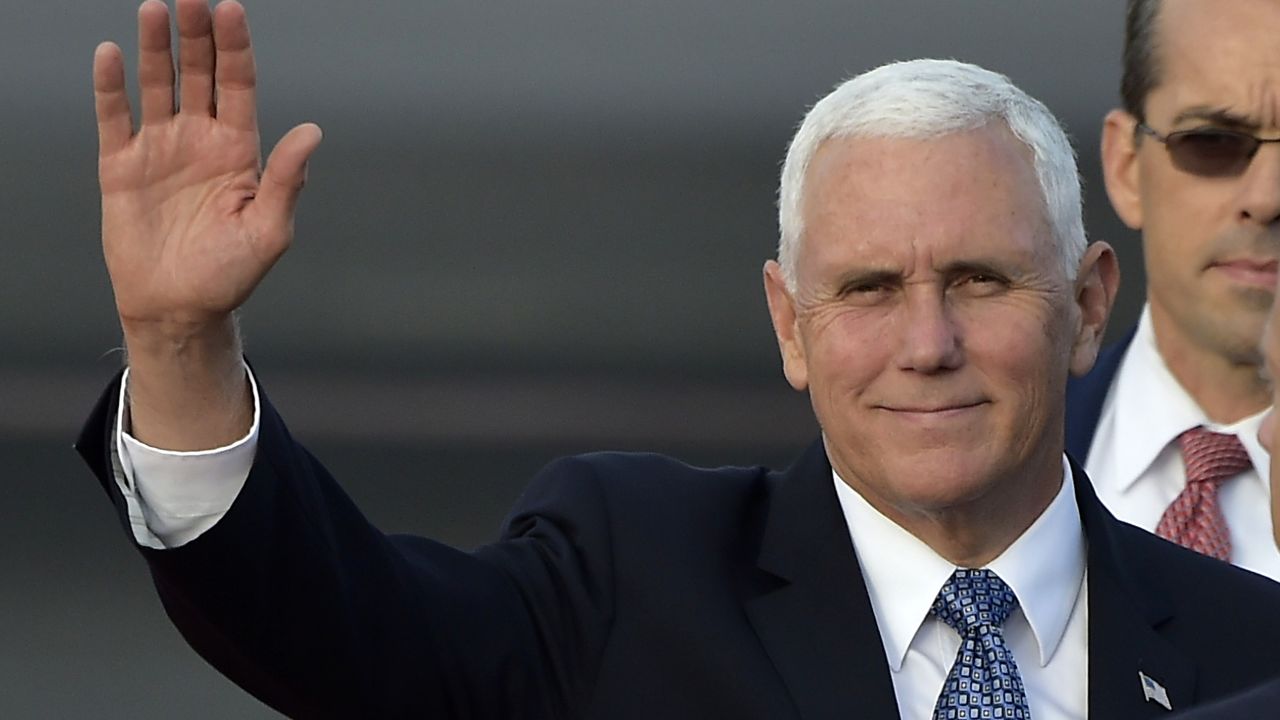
column 940, row 483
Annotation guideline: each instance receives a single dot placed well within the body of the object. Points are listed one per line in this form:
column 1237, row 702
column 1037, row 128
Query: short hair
column 928, row 99
column 1139, row 74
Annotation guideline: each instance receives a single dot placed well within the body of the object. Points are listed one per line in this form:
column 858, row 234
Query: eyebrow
column 875, row 276
column 869, row 276
column 1216, row 115
column 981, row 267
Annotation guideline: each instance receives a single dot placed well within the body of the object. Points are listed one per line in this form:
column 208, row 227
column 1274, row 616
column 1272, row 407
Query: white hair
column 923, row 99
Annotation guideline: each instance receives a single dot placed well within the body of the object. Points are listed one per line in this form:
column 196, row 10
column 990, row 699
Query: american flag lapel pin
column 1154, row 691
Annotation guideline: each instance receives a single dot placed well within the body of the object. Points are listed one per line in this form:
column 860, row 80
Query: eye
column 866, row 291
column 980, row 283
column 864, row 288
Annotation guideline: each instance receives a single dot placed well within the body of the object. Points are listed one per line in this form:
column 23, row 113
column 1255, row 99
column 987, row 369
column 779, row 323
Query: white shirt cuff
column 174, row 497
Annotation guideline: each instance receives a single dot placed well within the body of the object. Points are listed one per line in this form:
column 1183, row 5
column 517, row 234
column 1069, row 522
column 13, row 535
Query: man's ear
column 1095, row 294
column 1120, row 171
column 782, row 310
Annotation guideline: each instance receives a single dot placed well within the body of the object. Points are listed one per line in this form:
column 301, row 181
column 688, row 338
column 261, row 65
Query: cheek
column 1167, row 191
column 1027, row 351
column 848, row 348
column 1177, row 219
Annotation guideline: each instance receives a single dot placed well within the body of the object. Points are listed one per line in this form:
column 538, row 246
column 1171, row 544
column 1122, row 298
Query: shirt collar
column 1144, row 434
column 1044, row 567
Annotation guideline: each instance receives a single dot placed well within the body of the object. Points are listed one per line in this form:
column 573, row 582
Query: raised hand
column 188, row 228
column 191, row 222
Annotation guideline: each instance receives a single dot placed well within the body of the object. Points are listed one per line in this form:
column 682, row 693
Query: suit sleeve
column 297, row 598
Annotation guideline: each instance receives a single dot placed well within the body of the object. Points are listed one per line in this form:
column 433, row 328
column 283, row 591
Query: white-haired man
column 933, row 554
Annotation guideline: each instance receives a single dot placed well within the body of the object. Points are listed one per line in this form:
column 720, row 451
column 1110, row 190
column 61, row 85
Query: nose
column 929, row 339
column 1260, row 195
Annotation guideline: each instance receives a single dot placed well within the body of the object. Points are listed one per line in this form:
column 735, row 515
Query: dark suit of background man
column 932, row 292
column 1201, row 77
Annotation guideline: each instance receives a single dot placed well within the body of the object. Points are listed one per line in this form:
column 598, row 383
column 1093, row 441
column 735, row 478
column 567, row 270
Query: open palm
column 189, row 225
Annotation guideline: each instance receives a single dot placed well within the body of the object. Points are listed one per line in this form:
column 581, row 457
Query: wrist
column 187, row 385
column 213, row 342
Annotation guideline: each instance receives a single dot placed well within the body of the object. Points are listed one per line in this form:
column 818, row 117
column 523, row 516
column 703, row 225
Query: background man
column 1263, row 700
column 933, row 552
column 1183, row 164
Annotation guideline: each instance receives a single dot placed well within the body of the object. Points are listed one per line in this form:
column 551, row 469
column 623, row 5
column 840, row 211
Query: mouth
column 934, row 411
column 1261, row 273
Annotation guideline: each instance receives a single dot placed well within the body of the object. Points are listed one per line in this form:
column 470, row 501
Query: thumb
column 285, row 174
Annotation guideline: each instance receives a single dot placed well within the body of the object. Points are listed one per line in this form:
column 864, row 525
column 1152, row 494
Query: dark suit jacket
column 1085, row 396
column 1260, row 702
column 633, row 586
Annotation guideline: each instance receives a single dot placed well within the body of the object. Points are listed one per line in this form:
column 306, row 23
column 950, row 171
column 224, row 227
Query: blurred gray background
column 533, row 228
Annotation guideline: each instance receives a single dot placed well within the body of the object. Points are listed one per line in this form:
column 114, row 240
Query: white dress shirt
column 1136, row 466
column 1047, row 632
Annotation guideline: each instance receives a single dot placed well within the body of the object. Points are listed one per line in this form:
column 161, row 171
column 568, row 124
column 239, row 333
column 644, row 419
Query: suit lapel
column 1127, row 603
column 810, row 608
column 809, row 604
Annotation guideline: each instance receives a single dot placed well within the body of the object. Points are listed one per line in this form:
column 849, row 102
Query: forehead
column 972, row 192
column 1219, row 54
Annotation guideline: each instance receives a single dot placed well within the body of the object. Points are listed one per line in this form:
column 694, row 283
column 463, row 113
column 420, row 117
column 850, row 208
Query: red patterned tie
column 1194, row 519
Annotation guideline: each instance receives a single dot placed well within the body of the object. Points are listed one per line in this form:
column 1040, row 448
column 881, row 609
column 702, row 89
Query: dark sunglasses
column 1209, row 151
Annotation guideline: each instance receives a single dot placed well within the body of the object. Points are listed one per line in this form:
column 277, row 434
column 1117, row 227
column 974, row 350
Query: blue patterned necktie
column 984, row 683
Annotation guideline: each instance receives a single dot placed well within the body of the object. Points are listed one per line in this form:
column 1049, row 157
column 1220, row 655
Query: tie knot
column 972, row 600
column 1212, row 457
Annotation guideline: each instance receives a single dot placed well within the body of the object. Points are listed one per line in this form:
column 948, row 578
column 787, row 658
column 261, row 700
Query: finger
column 284, row 177
column 195, row 57
column 155, row 62
column 235, row 76
column 110, row 100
